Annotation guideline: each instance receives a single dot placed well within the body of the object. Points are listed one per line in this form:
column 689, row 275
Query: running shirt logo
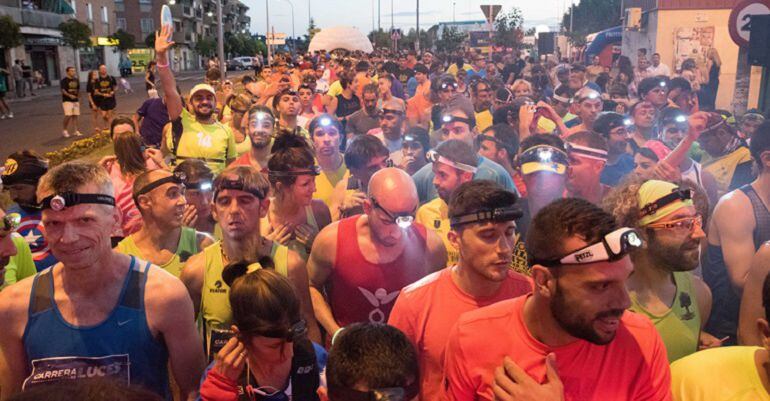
column 218, row 288
column 379, row 298
column 52, row 370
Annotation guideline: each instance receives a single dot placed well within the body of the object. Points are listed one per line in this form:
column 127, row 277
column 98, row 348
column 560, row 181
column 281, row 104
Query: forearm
column 168, row 84
column 323, row 312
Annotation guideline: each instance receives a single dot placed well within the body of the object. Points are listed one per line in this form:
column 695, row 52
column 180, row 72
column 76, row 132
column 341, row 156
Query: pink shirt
column 633, row 366
column 426, row 311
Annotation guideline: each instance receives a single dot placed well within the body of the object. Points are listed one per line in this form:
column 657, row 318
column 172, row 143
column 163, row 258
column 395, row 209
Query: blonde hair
column 70, row 176
column 518, row 82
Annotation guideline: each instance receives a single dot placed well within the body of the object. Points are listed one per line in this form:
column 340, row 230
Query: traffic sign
column 395, row 34
column 490, row 11
column 740, row 19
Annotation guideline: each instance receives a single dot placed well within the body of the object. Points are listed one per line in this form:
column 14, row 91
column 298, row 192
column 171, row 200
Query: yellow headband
column 652, row 191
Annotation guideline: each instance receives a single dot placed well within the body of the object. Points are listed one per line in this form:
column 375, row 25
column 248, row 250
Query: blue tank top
column 122, row 347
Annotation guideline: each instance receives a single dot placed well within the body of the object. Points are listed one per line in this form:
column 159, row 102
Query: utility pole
column 379, row 22
column 417, row 42
column 454, row 5
column 267, row 33
column 293, row 45
column 220, row 40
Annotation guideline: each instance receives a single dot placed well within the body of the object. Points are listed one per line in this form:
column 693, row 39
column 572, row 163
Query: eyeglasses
column 403, row 220
column 685, row 223
column 613, row 246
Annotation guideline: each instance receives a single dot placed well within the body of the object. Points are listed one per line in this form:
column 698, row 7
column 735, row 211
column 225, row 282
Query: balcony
column 34, row 18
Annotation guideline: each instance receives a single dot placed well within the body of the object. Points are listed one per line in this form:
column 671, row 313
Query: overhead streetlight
column 171, row 2
column 210, row 14
column 293, row 45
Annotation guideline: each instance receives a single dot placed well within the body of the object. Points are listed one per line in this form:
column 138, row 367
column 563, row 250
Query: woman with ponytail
column 269, row 356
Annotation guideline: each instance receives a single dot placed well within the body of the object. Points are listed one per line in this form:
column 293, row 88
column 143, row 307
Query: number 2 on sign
column 747, row 26
column 204, row 140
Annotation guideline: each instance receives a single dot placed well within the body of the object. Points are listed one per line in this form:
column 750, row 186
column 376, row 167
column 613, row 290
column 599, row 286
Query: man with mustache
column 260, row 128
column 162, row 240
column 195, row 134
column 571, row 337
column 662, row 286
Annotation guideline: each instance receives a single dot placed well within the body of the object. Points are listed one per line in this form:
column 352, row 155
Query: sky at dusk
column 359, row 13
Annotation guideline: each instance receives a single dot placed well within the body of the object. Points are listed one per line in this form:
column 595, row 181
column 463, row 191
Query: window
column 147, row 25
column 90, row 11
column 105, row 15
column 122, row 24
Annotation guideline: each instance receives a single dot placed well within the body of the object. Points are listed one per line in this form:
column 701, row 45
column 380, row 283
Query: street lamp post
column 417, row 42
column 220, row 40
column 293, row 45
column 267, row 32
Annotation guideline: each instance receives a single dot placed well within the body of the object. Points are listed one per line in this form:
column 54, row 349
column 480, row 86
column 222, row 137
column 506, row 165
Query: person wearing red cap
column 196, row 134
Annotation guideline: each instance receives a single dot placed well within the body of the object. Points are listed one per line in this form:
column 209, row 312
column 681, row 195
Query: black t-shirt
column 346, row 107
column 104, row 85
column 510, row 69
column 71, row 86
column 26, row 71
column 404, row 74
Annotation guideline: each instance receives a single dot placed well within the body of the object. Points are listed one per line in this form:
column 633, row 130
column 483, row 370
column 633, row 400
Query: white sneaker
column 78, row 133
column 65, row 134
column 2, row 117
column 10, row 115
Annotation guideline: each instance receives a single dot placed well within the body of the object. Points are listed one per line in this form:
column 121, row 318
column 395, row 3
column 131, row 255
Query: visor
column 433, row 157
column 614, row 246
column 497, row 215
column 237, row 185
column 316, row 170
column 586, row 152
column 543, row 158
column 64, row 200
column 179, row 178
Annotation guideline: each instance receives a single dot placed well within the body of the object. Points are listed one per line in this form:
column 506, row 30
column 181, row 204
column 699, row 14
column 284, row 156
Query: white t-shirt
column 661, row 69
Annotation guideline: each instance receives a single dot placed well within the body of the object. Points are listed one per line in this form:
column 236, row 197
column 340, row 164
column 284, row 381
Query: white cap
column 202, row 87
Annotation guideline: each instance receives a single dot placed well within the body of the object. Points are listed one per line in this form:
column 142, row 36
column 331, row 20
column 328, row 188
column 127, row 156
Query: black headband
column 450, row 119
column 179, row 177
column 676, row 195
column 64, row 200
column 315, row 170
column 498, row 215
column 238, row 185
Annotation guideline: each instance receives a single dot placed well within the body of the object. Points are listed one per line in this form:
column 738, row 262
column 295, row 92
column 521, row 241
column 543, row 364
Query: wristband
column 336, row 333
column 159, row 65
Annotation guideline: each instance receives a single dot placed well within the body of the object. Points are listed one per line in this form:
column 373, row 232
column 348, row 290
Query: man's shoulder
column 498, row 313
column 425, row 285
column 636, row 328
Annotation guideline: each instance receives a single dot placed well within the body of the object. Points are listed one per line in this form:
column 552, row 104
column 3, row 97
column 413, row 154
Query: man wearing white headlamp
column 454, row 163
column 260, row 128
column 589, row 105
column 573, row 326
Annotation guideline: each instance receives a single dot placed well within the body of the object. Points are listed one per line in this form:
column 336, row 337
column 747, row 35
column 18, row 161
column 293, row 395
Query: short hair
column 371, row 88
column 387, row 77
column 69, row 68
column 195, row 170
column 362, row 66
column 760, row 142
column 647, row 84
column 457, row 151
column 285, row 92
column 316, row 121
column 119, row 120
column 250, row 176
column 618, row 89
column 564, row 91
column 638, row 104
column 541, row 139
column 590, row 139
column 372, row 355
column 213, row 74
column 577, row 67
column 70, row 176
column 289, row 152
column 679, row 83
column 562, row 219
column 507, row 135
column 479, row 195
column 247, row 79
column 362, row 149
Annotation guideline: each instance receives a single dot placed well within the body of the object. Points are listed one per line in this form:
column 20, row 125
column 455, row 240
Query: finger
column 503, row 381
column 500, row 394
column 229, row 345
column 551, row 370
column 515, row 372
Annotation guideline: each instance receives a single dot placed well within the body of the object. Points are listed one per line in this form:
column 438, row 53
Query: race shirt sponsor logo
column 51, row 370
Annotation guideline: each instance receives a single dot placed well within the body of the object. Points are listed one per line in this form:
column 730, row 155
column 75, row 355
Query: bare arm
column 14, row 302
column 703, row 294
column 192, row 278
column 751, row 302
column 733, row 228
column 167, row 81
column 436, row 251
column 169, row 315
column 319, row 266
column 298, row 276
column 321, row 212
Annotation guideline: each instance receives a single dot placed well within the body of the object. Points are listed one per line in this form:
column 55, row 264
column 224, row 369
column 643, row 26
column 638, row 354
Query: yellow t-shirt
column 214, row 143
column 718, row 374
column 325, row 183
column 434, row 215
column 334, row 89
column 723, row 168
column 452, row 69
column 483, row 120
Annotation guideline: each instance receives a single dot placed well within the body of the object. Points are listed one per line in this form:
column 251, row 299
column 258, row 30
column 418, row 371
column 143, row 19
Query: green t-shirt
column 214, row 143
column 21, row 265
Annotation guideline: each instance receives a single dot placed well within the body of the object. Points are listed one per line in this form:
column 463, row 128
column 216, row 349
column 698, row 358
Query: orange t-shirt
column 633, row 366
column 426, row 311
column 417, row 107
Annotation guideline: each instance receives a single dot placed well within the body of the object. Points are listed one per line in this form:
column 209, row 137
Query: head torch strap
column 237, row 185
column 612, row 246
column 177, row 178
column 448, row 119
column 68, row 199
column 316, row 170
column 587, row 152
column 561, row 99
column 200, row 185
column 713, row 127
column 544, row 154
column 677, row 195
column 433, row 156
column 496, row 215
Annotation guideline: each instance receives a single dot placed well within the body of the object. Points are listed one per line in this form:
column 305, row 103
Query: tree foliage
column 312, row 29
column 408, row 41
column 206, row 47
column 75, row 34
column 126, row 40
column 242, row 44
column 508, row 28
column 149, row 41
column 10, row 32
column 591, row 16
column 380, row 38
column 451, row 40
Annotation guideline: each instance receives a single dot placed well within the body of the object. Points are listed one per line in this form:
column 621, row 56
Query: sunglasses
column 685, row 223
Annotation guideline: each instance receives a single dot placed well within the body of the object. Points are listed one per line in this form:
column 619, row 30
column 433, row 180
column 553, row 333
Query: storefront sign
column 103, row 41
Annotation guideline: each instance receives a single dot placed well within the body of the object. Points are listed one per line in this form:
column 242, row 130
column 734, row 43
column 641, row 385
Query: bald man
column 362, row 262
column 162, row 240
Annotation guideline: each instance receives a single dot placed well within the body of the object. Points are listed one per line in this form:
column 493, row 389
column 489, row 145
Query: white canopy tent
column 341, row 37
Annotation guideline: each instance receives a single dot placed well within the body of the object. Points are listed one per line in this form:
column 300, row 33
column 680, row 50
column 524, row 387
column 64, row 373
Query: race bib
column 51, row 370
column 217, row 341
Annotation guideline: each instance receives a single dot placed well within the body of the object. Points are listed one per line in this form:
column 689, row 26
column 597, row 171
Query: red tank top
column 361, row 291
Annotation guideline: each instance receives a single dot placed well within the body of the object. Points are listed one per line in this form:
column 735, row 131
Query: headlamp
column 613, row 246
column 662, row 84
column 236, row 184
column 200, row 185
column 628, row 122
column 543, row 158
column 325, row 121
column 448, row 118
column 263, row 116
column 10, row 223
column 497, row 215
column 179, row 177
column 447, row 85
column 678, row 194
column 434, row 157
column 586, row 151
column 402, row 220
column 64, row 200
column 315, row 170
column 680, row 119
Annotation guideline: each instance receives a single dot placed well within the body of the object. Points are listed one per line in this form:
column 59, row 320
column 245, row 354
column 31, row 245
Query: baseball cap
column 24, row 168
column 202, row 87
column 421, row 69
